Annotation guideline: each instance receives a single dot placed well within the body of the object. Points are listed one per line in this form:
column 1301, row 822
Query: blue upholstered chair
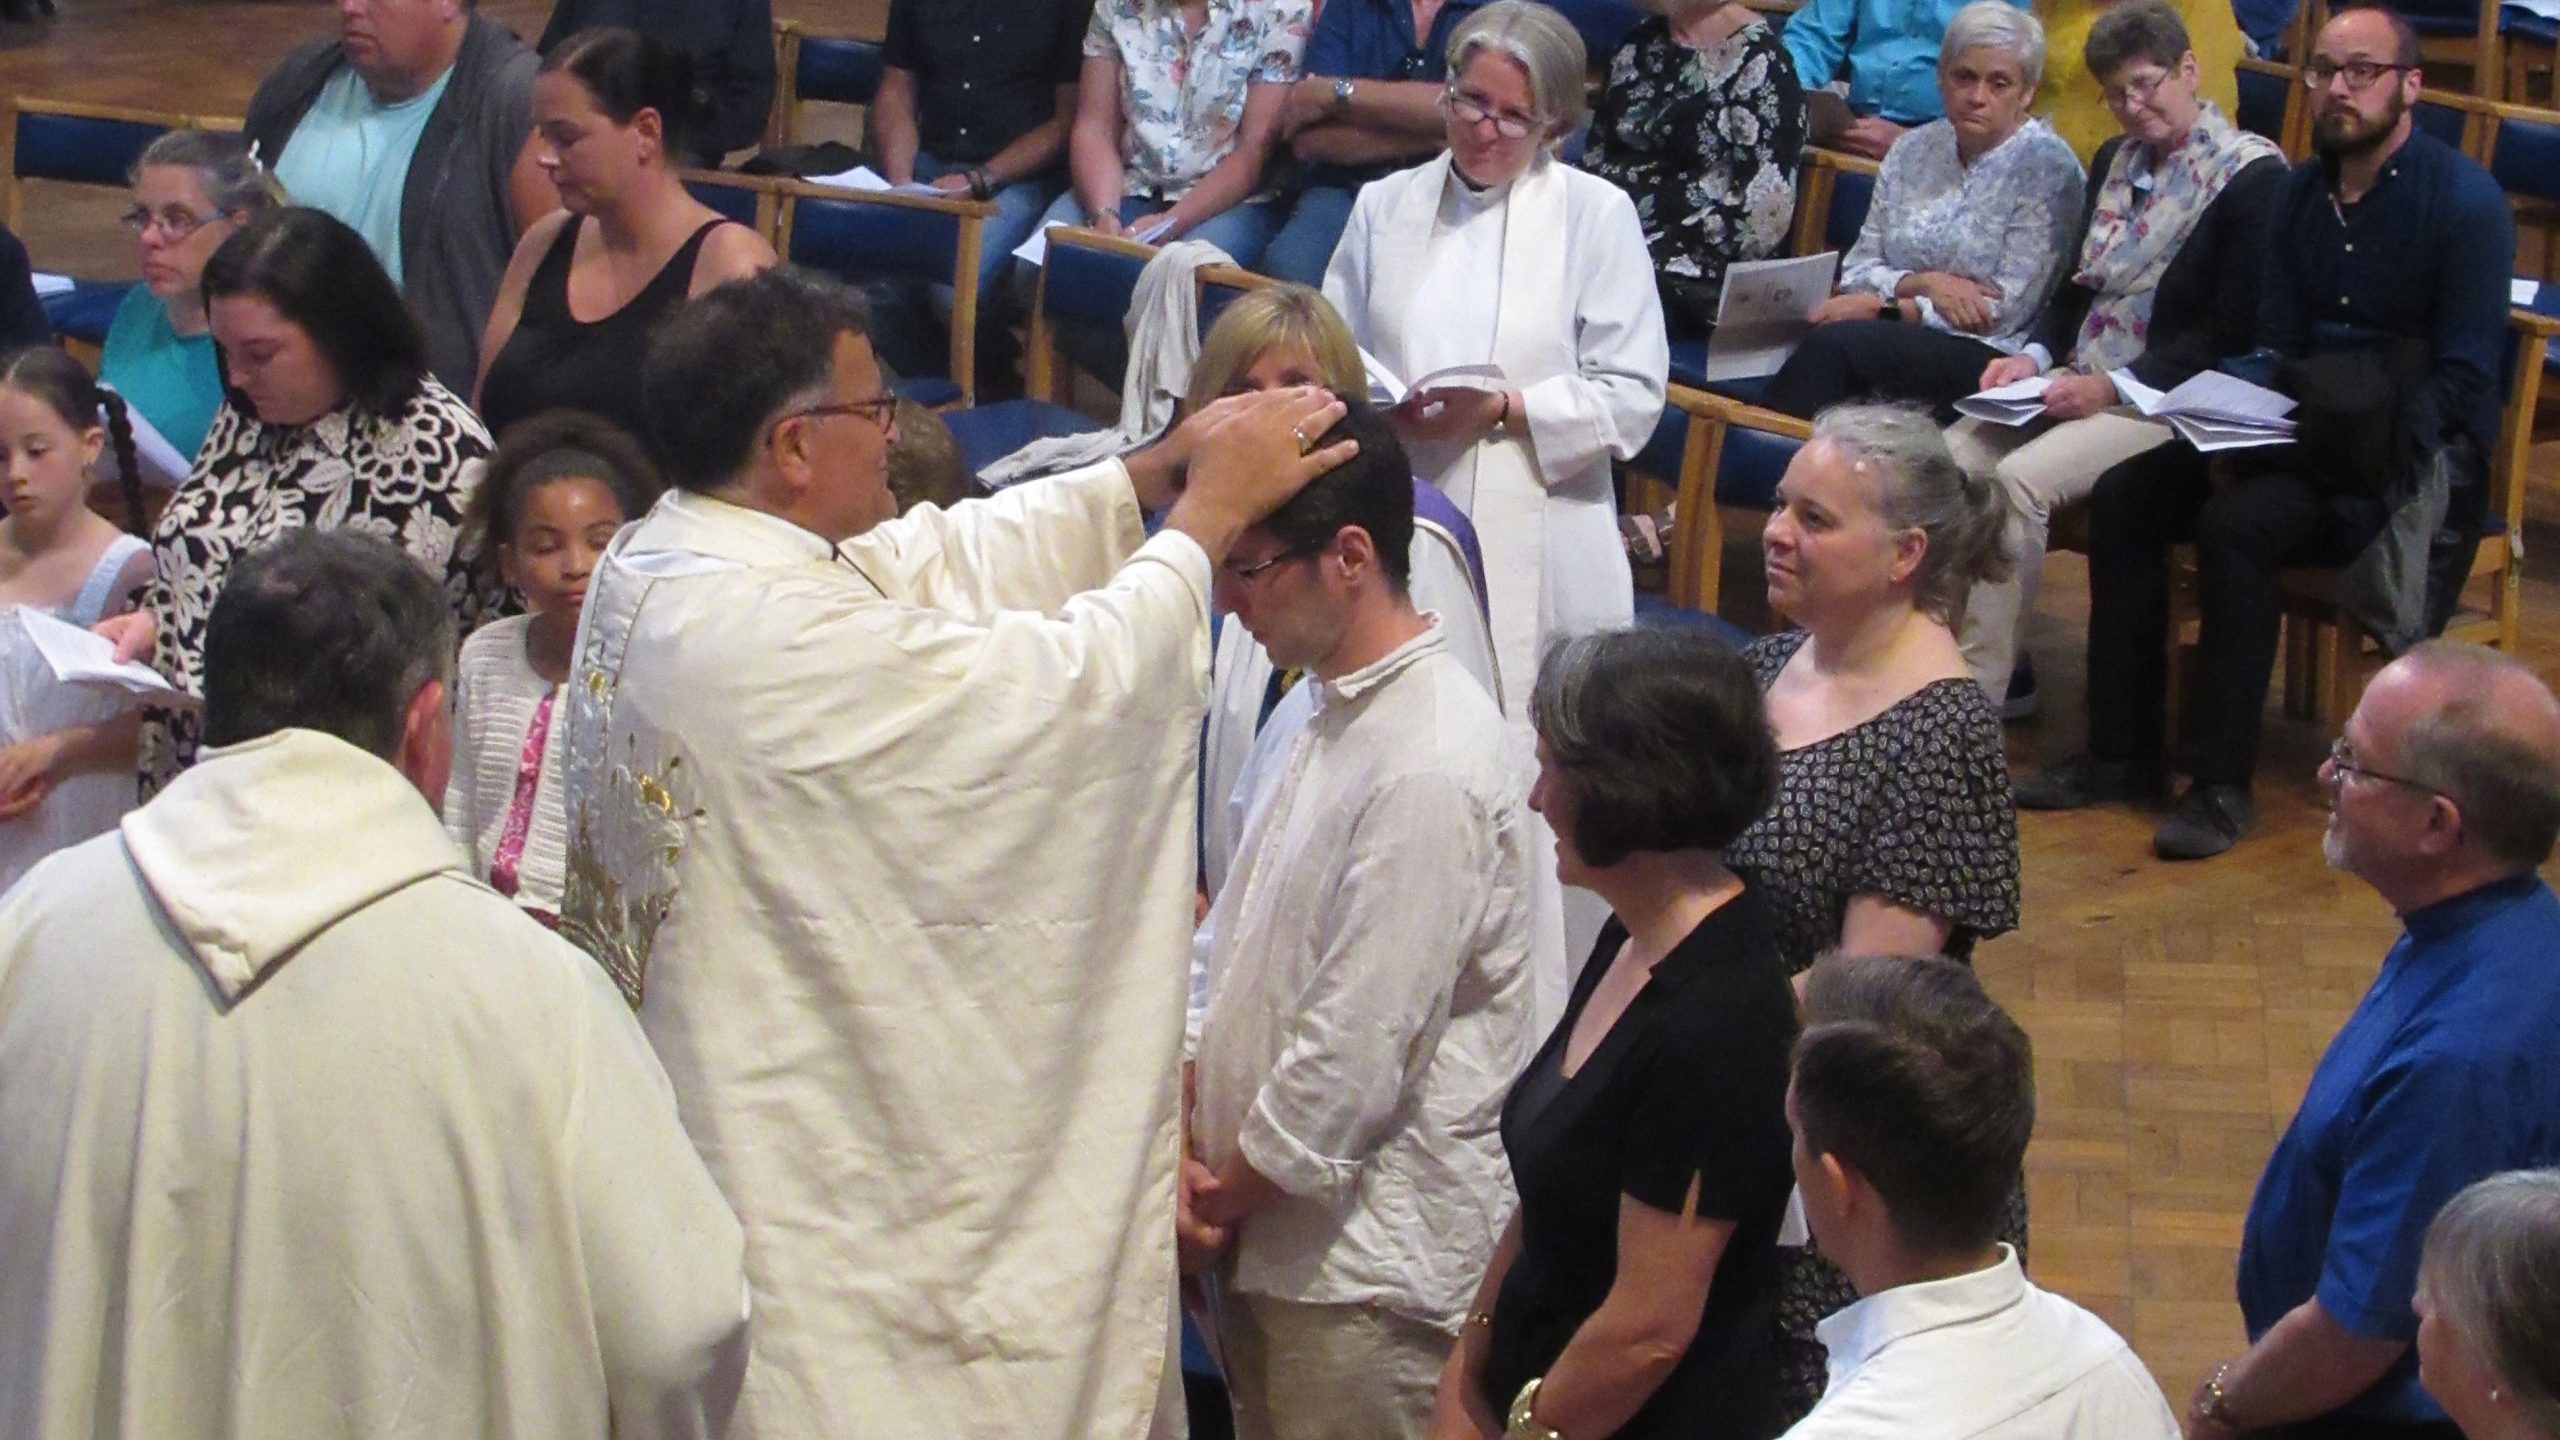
column 876, row 236
column 1081, row 305
column 1728, row 453
column 838, row 69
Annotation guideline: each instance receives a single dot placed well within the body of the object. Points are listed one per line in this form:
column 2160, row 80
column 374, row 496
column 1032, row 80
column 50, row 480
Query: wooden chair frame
column 1822, row 169
column 1697, row 530
column 2293, row 134
column 1046, row 374
column 14, row 106
column 782, row 124
column 769, row 192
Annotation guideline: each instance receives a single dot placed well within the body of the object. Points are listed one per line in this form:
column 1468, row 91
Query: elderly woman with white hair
column 1497, row 252
column 2488, row 1307
column 1970, row 229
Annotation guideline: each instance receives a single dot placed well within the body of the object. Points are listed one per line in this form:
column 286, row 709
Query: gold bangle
column 2216, row 1399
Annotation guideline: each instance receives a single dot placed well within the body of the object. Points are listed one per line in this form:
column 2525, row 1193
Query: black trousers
column 2266, row 519
column 1876, row 360
column 22, row 321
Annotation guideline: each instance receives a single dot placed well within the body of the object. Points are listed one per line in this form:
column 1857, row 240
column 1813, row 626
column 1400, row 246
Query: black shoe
column 2207, row 820
column 2022, row 700
column 2079, row 783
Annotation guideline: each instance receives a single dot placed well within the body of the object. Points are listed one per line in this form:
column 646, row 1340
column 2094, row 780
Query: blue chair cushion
column 2262, row 101
column 731, row 202
column 930, row 391
column 86, row 312
column 1604, row 24
column 1851, row 193
column 1752, row 463
column 1655, row 611
column 2518, row 24
column 1195, row 1351
column 988, row 433
column 2527, row 160
column 1089, row 287
column 1689, row 362
column 1214, row 300
column 865, row 239
column 839, row 69
column 79, row 149
column 2442, row 121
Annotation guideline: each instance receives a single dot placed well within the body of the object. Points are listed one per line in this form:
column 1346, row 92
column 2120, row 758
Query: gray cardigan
column 456, row 233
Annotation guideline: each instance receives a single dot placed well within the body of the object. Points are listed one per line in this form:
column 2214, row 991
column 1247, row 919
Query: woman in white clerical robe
column 1498, row 252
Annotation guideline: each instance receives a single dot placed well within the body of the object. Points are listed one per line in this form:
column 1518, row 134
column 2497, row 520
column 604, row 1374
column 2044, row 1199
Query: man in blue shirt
column 2387, row 255
column 2444, row 796
column 1369, row 105
column 1888, row 52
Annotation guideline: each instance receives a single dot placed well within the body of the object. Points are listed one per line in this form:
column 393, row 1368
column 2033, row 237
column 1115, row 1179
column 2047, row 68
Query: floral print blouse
column 1181, row 95
column 2006, row 221
column 1706, row 143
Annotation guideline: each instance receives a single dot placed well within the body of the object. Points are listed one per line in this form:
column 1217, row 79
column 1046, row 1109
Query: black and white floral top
column 1912, row 805
column 404, row 477
column 1706, row 143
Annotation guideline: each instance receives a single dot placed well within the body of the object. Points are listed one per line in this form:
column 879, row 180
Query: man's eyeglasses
column 1468, row 110
column 2343, row 764
column 2360, row 74
column 879, row 410
column 174, row 224
column 1247, row 574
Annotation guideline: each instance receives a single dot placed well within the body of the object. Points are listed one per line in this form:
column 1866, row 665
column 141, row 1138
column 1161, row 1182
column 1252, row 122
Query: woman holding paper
column 612, row 113
column 191, row 190
column 1969, row 231
column 2166, row 284
column 1498, row 252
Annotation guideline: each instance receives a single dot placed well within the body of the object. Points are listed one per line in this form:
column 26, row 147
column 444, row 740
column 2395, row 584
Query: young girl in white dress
column 558, row 488
column 66, row 751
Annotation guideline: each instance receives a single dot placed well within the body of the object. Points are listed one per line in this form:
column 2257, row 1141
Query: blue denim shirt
column 1889, row 47
column 1374, row 40
column 2447, row 1072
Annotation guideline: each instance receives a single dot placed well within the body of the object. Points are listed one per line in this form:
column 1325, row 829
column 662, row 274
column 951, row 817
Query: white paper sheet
column 864, row 178
column 2211, row 435
column 161, row 465
column 1153, row 231
column 1036, row 249
column 2015, row 403
column 78, row 657
column 1765, row 309
column 1386, row 390
column 2522, row 293
column 2212, row 395
column 49, row 284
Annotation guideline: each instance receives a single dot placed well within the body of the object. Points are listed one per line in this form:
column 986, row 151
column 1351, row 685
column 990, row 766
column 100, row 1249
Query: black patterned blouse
column 1912, row 805
column 404, row 478
column 1706, row 143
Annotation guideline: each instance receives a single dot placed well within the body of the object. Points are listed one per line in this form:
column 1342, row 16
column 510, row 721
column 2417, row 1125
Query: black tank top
column 555, row 360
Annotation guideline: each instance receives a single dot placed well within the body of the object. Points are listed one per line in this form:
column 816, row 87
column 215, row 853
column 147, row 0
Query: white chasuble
column 894, row 846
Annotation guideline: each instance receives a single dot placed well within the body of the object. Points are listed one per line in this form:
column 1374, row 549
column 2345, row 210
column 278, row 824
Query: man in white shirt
column 885, row 824
column 306, row 1132
column 1912, row 1102
column 1368, row 982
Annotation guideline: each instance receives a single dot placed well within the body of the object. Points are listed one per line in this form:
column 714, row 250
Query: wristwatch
column 1524, row 1420
column 1890, row 310
column 1342, row 93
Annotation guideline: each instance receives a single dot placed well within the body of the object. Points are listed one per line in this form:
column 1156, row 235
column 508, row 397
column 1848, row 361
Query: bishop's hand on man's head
column 1246, row 454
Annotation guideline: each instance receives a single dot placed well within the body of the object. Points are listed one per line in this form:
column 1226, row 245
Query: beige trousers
column 1328, row 1372
column 2041, row 467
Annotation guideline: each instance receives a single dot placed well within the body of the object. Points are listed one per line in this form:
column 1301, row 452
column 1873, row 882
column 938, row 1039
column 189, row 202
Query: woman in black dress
column 1633, row 1293
column 1892, row 831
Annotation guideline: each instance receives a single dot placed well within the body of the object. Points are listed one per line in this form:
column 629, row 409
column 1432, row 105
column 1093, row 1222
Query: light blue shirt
column 173, row 380
column 350, row 157
column 1889, row 48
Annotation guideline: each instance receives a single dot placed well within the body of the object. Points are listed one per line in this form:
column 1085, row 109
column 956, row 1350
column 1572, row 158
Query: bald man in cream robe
column 887, row 826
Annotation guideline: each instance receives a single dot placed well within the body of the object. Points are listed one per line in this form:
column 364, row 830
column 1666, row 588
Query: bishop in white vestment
column 888, row 832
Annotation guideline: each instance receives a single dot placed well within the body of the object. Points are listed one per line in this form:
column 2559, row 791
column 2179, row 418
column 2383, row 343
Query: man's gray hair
column 2492, row 1267
column 1542, row 43
column 1997, row 25
column 2473, row 751
column 1919, row 486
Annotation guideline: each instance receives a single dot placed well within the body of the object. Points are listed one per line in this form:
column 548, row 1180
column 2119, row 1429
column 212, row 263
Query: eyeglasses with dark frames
column 2316, row 74
column 1468, row 110
column 879, row 410
column 172, row 222
column 1247, row 574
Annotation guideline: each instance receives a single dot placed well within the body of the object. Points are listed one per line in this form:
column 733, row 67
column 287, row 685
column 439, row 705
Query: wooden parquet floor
column 2177, row 1010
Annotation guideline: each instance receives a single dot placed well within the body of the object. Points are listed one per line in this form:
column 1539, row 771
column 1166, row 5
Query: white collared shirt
column 1985, row 1356
column 1369, row 996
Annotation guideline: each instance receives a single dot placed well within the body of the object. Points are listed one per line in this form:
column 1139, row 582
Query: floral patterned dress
column 403, row 477
column 1706, row 143
column 1182, row 93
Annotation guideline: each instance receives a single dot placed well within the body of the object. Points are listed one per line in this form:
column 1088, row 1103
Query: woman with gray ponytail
column 191, row 190
column 1892, row 832
column 2489, row 1308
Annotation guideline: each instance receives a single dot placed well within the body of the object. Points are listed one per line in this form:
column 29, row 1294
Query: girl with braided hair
column 66, row 752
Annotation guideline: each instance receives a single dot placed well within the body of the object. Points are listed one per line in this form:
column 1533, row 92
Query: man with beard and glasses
column 2388, row 251
column 2444, row 797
